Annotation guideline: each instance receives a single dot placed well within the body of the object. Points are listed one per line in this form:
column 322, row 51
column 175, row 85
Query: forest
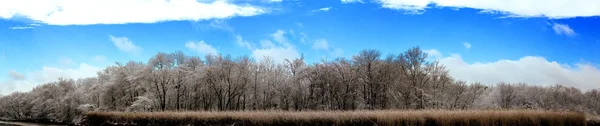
column 368, row 80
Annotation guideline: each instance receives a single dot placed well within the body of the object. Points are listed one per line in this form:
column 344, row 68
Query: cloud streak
column 125, row 45
column 201, row 47
column 88, row 12
column 322, row 9
column 21, row 27
column 563, row 29
column 515, row 8
column 352, row 1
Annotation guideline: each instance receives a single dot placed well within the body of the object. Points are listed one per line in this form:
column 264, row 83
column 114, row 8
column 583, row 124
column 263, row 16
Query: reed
column 345, row 118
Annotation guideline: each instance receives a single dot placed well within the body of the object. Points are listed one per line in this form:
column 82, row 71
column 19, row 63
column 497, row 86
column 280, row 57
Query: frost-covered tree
column 179, row 82
column 141, row 104
column 368, row 62
column 157, row 73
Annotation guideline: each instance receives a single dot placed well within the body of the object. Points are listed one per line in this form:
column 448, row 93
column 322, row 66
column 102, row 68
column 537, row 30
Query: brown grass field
column 593, row 120
column 345, row 118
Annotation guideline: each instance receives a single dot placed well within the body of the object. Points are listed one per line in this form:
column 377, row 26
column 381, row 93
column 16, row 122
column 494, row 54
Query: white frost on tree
column 141, row 104
column 368, row 80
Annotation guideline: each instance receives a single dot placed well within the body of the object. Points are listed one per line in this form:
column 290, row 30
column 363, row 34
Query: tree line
column 366, row 81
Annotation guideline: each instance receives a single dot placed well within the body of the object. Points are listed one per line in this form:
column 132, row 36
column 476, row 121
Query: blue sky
column 489, row 42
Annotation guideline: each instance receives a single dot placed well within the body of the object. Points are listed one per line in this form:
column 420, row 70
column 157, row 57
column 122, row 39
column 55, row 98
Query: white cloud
column 279, row 37
column 277, row 52
column 275, row 1
column 322, row 9
column 467, row 45
column 528, row 69
column 86, row 12
column 50, row 74
column 213, row 24
column 47, row 74
column 518, row 8
column 241, row 42
column 321, row 44
column 29, row 26
column 21, row 27
column 433, row 53
column 125, row 45
column 10, row 86
column 266, row 44
column 99, row 59
column 220, row 24
column 352, row 1
column 563, row 29
column 201, row 47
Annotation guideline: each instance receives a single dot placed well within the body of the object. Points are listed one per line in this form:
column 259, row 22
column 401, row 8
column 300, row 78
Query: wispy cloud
column 563, row 29
column 303, row 37
column 338, row 52
column 279, row 37
column 220, row 24
column 299, row 24
column 201, row 47
column 467, row 45
column 514, row 8
column 322, row 9
column 277, row 52
column 87, row 12
column 321, row 44
column 433, row 53
column 125, row 45
column 28, row 26
column 21, row 27
column 352, row 1
column 243, row 43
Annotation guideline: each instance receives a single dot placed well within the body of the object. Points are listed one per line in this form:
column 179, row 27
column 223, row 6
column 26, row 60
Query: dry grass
column 593, row 120
column 406, row 118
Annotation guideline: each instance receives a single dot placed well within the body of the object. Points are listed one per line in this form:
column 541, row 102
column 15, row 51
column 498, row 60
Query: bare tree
column 506, row 95
column 158, row 69
column 367, row 62
column 413, row 67
column 175, row 81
